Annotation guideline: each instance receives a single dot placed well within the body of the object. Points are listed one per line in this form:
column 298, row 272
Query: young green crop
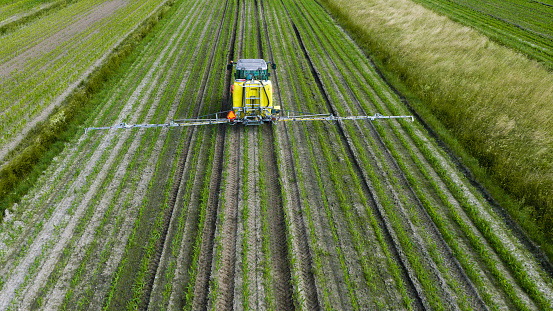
column 135, row 227
column 247, row 234
column 315, row 44
column 99, row 230
column 42, row 87
column 175, row 245
column 279, row 39
column 347, row 78
column 139, row 284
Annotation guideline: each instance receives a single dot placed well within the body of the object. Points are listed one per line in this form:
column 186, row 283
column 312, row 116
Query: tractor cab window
column 251, row 74
column 251, row 69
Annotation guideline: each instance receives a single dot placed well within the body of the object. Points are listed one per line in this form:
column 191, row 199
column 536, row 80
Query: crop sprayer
column 252, row 103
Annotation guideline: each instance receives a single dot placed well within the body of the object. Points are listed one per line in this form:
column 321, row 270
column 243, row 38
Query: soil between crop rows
column 349, row 216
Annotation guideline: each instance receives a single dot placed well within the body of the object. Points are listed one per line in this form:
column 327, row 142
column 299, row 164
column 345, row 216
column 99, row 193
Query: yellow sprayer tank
column 252, row 91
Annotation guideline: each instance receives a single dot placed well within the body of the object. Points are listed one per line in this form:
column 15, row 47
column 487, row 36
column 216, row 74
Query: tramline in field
column 252, row 103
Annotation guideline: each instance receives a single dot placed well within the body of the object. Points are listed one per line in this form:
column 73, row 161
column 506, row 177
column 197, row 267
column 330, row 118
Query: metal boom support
column 220, row 120
column 331, row 117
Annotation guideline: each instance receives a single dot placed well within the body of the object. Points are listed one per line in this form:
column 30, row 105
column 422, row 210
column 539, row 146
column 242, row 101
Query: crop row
column 246, row 292
column 395, row 221
column 348, row 75
column 136, row 100
column 478, row 219
column 314, row 218
column 343, row 231
column 288, row 94
column 17, row 13
column 208, row 93
column 154, row 196
column 45, row 60
column 205, row 256
column 136, row 254
column 186, row 206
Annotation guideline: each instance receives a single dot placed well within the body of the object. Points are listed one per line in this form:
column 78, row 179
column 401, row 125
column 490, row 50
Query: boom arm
column 331, row 117
column 223, row 117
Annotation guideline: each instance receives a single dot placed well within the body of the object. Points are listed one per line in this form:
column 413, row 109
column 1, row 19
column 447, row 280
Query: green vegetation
column 522, row 25
column 308, row 215
column 247, row 233
column 36, row 81
column 494, row 101
column 48, row 138
column 19, row 13
column 359, row 82
column 10, row 10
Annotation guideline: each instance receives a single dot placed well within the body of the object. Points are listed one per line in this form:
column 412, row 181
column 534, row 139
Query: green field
column 348, row 215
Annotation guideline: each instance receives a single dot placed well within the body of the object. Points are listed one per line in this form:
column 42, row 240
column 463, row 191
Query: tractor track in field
column 190, row 231
column 300, row 243
column 275, row 210
column 205, row 260
column 277, row 226
column 214, row 186
column 168, row 216
column 174, row 199
column 226, row 273
column 167, row 219
column 154, row 264
column 409, row 275
column 283, row 281
column 307, row 288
